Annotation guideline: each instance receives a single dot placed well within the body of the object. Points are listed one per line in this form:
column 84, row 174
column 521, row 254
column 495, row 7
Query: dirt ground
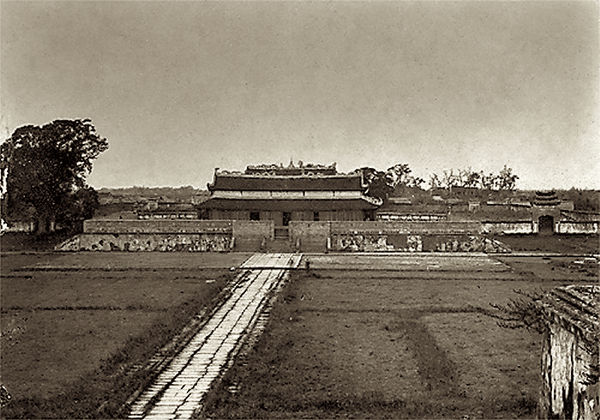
column 398, row 337
column 73, row 319
column 574, row 244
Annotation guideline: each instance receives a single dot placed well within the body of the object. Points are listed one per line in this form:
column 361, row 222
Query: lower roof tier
column 289, row 205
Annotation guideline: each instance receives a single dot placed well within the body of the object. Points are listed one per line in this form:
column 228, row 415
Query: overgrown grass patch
column 78, row 346
column 343, row 345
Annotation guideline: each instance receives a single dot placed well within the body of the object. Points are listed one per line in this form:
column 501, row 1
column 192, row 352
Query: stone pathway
column 270, row 261
column 178, row 390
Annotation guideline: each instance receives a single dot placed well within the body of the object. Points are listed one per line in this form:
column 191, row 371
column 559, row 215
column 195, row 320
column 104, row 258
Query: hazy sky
column 180, row 88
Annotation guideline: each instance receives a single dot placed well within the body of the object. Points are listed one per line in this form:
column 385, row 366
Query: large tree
column 378, row 182
column 506, row 179
column 45, row 169
column 382, row 184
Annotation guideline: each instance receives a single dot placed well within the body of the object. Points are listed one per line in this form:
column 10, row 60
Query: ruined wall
column 570, row 351
column 411, row 216
column 412, row 227
column 156, row 226
column 252, row 235
column 170, row 235
column 310, row 236
column 246, row 235
column 164, row 242
column 565, row 362
column 576, row 227
column 531, row 227
column 151, row 235
column 375, row 236
column 509, row 228
column 368, row 242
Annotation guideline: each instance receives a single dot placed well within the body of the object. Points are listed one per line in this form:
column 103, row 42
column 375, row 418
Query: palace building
column 291, row 193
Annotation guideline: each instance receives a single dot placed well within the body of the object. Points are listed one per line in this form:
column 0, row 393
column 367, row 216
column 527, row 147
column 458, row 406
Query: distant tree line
column 382, row 184
column 183, row 191
column 584, row 200
column 505, row 180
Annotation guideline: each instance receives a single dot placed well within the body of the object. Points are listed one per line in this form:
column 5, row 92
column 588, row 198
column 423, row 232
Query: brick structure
column 163, row 209
column 284, row 194
column 571, row 352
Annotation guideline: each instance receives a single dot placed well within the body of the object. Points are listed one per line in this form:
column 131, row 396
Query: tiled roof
column 291, row 169
column 577, row 307
column 290, row 205
column 236, row 182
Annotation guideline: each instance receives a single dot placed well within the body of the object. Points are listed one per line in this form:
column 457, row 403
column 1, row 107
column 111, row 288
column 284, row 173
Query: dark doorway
column 254, row 215
column 546, row 225
column 286, row 218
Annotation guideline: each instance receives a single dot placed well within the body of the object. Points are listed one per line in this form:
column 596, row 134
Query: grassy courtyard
column 355, row 336
column 394, row 337
column 75, row 327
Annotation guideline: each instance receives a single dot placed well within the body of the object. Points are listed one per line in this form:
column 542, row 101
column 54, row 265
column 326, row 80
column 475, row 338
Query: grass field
column 394, row 337
column 356, row 336
column 74, row 326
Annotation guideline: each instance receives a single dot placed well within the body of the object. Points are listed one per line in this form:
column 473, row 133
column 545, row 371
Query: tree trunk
column 45, row 224
column 40, row 225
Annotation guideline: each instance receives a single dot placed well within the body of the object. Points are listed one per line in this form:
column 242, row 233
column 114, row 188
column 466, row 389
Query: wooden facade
column 285, row 194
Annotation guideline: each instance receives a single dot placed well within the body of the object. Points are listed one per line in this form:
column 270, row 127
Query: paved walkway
column 178, row 391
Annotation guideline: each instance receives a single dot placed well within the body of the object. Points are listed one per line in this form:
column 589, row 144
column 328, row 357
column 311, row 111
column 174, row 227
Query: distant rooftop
column 546, row 198
column 298, row 169
column 293, row 177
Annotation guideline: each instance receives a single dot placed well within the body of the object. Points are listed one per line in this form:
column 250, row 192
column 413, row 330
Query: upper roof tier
column 290, row 178
column 299, row 169
column 546, row 198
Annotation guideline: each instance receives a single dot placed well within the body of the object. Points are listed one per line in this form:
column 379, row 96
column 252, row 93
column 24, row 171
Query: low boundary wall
column 582, row 228
column 252, row 235
column 245, row 235
column 157, row 226
column 528, row 227
column 310, row 236
column 170, row 235
column 412, row 227
column 517, row 227
column 165, row 242
column 441, row 236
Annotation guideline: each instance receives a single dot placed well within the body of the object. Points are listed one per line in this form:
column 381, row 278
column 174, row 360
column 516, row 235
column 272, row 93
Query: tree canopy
column 505, row 180
column 45, row 169
column 381, row 184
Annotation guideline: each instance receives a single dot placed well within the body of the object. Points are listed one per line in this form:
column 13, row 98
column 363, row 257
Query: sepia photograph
column 300, row 209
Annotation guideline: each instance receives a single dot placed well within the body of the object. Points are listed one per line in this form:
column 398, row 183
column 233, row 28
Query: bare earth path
column 179, row 389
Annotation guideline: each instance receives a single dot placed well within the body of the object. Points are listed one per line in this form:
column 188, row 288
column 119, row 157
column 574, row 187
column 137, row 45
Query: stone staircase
column 281, row 241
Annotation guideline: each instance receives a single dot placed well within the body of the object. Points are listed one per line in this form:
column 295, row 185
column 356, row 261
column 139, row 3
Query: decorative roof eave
column 210, row 186
column 373, row 200
column 577, row 307
column 301, row 168
column 364, row 203
column 231, row 174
